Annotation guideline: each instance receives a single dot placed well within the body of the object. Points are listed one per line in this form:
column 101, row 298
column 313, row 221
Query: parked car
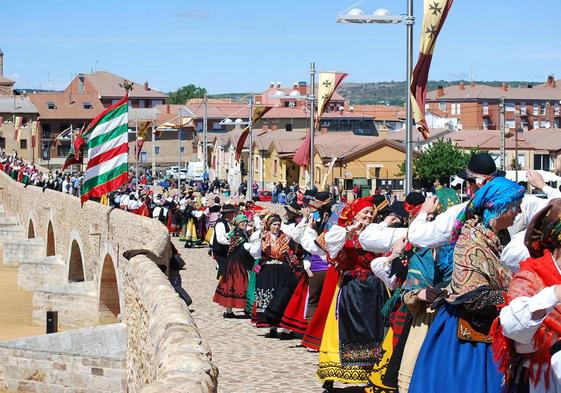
column 264, row 196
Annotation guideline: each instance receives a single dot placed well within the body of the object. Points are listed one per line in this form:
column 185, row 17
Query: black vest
column 217, row 248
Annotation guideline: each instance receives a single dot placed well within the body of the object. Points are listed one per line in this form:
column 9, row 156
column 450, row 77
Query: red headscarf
column 350, row 210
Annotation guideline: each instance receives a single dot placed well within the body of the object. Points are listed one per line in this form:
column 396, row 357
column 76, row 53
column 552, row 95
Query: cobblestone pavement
column 247, row 361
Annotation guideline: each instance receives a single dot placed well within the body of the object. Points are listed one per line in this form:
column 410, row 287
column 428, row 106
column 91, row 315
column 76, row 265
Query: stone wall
column 86, row 360
column 164, row 343
column 165, row 352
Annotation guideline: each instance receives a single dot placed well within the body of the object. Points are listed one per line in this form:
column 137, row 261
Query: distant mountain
column 231, row 96
column 393, row 93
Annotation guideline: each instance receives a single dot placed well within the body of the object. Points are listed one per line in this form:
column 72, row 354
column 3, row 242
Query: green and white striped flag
column 107, row 140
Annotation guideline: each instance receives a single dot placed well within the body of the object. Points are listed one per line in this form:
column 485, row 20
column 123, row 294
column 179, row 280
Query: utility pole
column 312, row 100
column 137, row 153
column 250, row 166
column 179, row 151
column 205, row 135
column 502, row 134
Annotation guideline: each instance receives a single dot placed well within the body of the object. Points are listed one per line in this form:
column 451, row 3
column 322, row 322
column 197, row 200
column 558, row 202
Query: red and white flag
column 17, row 127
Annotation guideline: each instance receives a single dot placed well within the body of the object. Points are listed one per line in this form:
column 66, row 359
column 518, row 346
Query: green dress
column 250, row 296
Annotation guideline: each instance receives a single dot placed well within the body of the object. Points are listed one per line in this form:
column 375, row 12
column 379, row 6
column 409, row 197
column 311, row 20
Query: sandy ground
column 15, row 307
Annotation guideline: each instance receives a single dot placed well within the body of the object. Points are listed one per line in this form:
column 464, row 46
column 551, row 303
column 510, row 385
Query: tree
column 440, row 161
column 181, row 95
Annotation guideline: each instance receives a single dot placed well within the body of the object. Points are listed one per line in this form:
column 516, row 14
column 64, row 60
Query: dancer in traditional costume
column 530, row 322
column 354, row 332
column 232, row 287
column 274, row 270
column 220, row 242
column 456, row 352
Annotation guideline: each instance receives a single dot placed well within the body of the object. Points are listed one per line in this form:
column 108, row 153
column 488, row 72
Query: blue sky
column 242, row 45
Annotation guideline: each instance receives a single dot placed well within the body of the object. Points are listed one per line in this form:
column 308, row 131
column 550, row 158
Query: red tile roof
column 381, row 112
column 483, row 92
column 68, row 106
column 107, row 86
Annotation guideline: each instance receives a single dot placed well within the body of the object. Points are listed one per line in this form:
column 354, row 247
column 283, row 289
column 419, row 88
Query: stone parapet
column 164, row 344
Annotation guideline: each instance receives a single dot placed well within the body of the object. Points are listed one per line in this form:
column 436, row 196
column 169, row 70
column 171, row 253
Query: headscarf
column 237, row 236
column 239, row 219
column 350, row 210
column 490, row 201
column 447, row 198
column 270, row 219
column 544, row 231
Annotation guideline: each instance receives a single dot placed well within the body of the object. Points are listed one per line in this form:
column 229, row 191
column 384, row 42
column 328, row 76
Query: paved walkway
column 247, row 361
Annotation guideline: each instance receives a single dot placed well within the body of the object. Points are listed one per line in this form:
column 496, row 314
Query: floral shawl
column 477, row 261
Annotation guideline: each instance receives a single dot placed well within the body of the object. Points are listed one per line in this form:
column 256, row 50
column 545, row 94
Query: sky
column 243, row 45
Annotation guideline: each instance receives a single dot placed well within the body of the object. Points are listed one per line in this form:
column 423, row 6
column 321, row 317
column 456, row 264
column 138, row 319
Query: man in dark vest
column 220, row 241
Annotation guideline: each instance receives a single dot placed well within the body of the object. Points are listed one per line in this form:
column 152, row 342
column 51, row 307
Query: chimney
column 551, row 81
column 303, row 87
column 462, row 85
column 1, row 63
column 167, row 108
column 472, row 84
column 341, row 109
column 351, row 109
column 504, row 86
column 271, row 85
column 146, row 86
column 278, row 85
column 440, row 91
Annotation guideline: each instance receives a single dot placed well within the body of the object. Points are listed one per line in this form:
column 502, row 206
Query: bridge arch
column 76, row 272
column 30, row 229
column 109, row 303
column 51, row 249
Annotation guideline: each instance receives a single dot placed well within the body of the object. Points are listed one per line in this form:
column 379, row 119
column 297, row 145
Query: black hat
column 228, row 208
column 399, row 209
column 322, row 200
column 310, row 194
column 481, row 164
column 294, row 208
column 381, row 204
column 415, row 198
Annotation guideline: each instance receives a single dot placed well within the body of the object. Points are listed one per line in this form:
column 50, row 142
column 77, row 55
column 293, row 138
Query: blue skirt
column 445, row 364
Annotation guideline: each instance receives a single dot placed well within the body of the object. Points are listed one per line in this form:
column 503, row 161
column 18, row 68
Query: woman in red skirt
column 232, row 287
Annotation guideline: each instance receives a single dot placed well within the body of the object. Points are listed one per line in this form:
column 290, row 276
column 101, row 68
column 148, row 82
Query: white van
column 195, row 170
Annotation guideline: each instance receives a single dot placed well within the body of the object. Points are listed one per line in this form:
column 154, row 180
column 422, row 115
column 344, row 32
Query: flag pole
column 153, row 151
column 250, row 166
column 205, row 135
column 137, row 151
column 311, row 98
column 409, row 115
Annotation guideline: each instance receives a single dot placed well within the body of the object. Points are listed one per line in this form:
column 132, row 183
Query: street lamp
column 311, row 98
column 249, row 124
column 356, row 15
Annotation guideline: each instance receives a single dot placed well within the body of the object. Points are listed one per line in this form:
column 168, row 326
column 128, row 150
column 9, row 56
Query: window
column 556, row 109
column 485, row 108
column 542, row 161
column 275, row 167
column 377, row 172
column 510, row 124
column 509, row 107
column 544, row 107
column 455, row 109
column 81, row 86
column 523, row 108
column 63, row 150
column 87, row 105
column 216, row 126
column 442, row 106
column 199, row 126
column 535, row 111
column 182, row 149
column 142, row 103
column 2, row 143
column 143, row 156
column 536, row 124
column 157, row 150
column 288, row 127
column 51, row 105
column 23, row 143
column 521, row 161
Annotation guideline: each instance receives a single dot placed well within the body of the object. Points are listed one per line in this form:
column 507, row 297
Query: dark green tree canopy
column 439, row 161
column 181, row 95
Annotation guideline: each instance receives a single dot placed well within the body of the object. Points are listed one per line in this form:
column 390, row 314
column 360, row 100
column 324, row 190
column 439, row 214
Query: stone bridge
column 71, row 258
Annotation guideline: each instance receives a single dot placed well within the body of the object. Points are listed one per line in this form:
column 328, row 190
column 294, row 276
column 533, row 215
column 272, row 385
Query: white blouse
column 518, row 325
column 378, row 237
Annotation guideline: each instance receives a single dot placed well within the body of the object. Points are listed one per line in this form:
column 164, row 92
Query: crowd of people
column 429, row 294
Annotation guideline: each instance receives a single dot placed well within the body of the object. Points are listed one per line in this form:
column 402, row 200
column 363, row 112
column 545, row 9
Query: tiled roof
column 5, row 81
column 483, row 92
column 107, row 86
column 17, row 105
column 66, row 106
column 381, row 112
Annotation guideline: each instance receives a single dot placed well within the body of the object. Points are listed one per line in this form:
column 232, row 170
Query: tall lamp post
column 311, row 99
column 356, row 15
column 249, row 124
